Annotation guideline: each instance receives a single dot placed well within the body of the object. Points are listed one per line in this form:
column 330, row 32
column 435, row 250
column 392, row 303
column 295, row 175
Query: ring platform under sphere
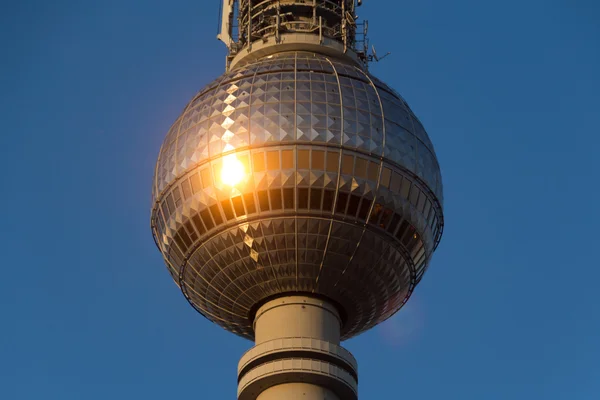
column 340, row 196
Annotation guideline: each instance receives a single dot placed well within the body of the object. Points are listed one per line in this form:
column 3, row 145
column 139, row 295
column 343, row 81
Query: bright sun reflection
column 232, row 171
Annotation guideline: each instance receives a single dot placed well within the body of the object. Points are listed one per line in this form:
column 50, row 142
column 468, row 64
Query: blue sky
column 509, row 92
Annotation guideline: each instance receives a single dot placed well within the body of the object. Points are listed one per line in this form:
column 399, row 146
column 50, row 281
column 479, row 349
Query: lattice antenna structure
column 297, row 201
column 255, row 28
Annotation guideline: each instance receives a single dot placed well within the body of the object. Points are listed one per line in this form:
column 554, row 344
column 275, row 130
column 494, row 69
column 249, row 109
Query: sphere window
column 376, row 214
column 361, row 168
column 185, row 188
column 249, row 200
column 318, row 159
column 272, row 160
column 206, row 218
column 206, row 179
column 190, row 230
column 259, row 161
column 385, row 177
column 276, row 203
column 177, row 197
column 405, row 189
column 328, row 199
column 421, row 203
column 395, row 183
column 198, row 224
column 303, row 159
column 288, row 198
column 385, row 218
column 373, row 171
column 315, row 199
column 414, row 195
column 365, row 205
column 216, row 214
column 263, row 200
column 170, row 203
column 165, row 209
column 302, row 198
column 353, row 205
column 287, row 159
column 394, row 224
column 227, row 210
column 195, row 182
column 341, row 203
column 238, row 206
column 333, row 161
column 347, row 164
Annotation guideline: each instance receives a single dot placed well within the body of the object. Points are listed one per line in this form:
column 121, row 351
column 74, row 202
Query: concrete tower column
column 297, row 316
column 297, row 391
column 297, row 354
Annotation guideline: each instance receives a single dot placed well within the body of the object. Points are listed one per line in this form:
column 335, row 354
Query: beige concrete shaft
column 297, row 391
column 297, row 316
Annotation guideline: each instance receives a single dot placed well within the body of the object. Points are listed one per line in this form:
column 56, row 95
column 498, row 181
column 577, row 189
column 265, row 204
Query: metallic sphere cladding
column 337, row 193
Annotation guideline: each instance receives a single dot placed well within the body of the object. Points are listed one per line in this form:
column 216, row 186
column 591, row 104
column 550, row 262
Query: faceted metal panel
column 341, row 195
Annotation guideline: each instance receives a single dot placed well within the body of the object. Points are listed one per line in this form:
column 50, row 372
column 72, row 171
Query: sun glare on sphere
column 232, row 171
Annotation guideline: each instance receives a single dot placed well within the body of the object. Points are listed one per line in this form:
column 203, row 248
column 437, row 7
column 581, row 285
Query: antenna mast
column 268, row 26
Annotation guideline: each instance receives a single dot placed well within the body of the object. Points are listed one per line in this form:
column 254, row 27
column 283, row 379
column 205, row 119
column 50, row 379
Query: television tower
column 297, row 200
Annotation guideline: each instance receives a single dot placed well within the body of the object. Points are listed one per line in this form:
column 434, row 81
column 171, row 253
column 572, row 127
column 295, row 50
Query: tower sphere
column 297, row 173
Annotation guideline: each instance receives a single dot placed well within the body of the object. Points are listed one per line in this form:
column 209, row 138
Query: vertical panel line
column 337, row 186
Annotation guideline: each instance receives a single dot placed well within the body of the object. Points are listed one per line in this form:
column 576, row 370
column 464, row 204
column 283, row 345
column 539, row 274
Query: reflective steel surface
column 341, row 194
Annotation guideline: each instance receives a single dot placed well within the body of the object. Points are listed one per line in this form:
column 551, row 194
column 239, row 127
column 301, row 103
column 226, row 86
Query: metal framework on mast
column 250, row 25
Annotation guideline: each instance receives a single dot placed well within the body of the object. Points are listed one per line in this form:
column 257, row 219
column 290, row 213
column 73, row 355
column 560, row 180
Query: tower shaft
column 297, row 353
column 297, row 391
